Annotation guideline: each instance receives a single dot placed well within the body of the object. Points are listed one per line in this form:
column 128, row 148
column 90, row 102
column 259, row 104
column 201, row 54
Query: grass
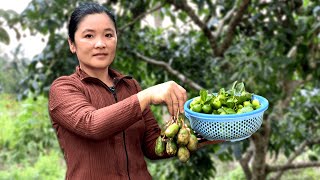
column 8, row 111
column 28, row 146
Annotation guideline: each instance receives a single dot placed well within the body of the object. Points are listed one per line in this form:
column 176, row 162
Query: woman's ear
column 72, row 46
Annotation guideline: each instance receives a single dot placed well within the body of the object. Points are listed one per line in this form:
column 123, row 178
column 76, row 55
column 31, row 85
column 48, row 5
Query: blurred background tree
column 271, row 46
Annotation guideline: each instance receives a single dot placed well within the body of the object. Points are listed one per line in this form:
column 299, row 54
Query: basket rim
column 264, row 106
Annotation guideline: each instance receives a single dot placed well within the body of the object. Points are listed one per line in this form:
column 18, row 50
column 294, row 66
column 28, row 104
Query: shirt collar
column 115, row 75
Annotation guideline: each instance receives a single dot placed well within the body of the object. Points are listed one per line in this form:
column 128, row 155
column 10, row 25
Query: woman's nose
column 100, row 43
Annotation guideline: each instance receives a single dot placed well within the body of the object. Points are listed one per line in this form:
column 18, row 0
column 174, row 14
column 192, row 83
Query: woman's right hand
column 170, row 93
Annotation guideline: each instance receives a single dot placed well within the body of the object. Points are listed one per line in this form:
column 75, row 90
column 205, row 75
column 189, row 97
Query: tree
column 272, row 46
column 12, row 71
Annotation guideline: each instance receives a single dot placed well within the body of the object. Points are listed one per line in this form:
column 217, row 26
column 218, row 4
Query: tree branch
column 172, row 71
column 289, row 165
column 183, row 5
column 283, row 168
column 290, row 87
column 261, row 143
column 226, row 18
column 141, row 16
column 211, row 9
column 244, row 161
column 232, row 26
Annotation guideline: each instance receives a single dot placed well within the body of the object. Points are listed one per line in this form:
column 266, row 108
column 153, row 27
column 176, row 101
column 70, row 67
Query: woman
column 102, row 118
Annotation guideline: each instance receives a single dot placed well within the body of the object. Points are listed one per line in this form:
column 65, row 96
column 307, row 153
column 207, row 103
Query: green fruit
column 247, row 103
column 246, row 95
column 216, row 104
column 171, row 148
column 183, row 136
column 257, row 107
column 255, row 103
column 240, row 106
column 221, row 97
column 172, row 130
column 223, row 113
column 183, row 154
column 193, row 143
column 196, row 100
column 197, row 108
column 207, row 108
column 215, row 112
column 160, row 146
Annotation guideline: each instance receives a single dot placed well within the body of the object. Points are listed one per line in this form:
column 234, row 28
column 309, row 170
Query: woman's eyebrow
column 87, row 30
column 109, row 29
column 91, row 30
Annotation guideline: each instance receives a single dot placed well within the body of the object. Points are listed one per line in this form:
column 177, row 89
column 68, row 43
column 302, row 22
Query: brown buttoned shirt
column 102, row 133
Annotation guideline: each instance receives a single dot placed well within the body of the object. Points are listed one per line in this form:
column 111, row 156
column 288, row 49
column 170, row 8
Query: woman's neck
column 102, row 74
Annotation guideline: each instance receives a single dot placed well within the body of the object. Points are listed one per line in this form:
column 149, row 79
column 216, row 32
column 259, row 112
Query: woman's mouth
column 100, row 54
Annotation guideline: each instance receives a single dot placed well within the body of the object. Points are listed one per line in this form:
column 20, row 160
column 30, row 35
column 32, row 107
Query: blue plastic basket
column 230, row 127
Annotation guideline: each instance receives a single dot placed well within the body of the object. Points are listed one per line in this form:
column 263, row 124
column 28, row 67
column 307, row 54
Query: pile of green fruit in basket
column 176, row 139
column 233, row 101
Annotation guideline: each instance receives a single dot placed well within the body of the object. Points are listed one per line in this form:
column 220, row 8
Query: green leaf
column 231, row 102
column 4, row 36
column 234, row 84
column 241, row 99
column 229, row 111
column 209, row 97
column 239, row 88
column 203, row 95
column 246, row 109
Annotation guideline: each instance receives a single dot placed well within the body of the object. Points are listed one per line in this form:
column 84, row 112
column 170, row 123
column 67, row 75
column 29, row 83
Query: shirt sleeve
column 69, row 107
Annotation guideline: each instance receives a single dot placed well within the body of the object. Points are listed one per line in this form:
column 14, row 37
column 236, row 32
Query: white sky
column 17, row 5
column 29, row 50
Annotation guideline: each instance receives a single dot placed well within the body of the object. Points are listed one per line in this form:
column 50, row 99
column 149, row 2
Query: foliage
column 31, row 131
column 271, row 46
column 4, row 36
column 46, row 167
column 236, row 174
column 28, row 145
column 11, row 73
column 7, row 18
column 306, row 120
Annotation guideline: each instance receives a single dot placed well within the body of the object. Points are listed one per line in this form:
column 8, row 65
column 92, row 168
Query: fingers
column 173, row 104
column 178, row 98
column 170, row 93
column 181, row 95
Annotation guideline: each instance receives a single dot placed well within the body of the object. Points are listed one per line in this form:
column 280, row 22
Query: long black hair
column 83, row 10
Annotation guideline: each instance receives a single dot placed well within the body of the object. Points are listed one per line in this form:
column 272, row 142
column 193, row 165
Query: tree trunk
column 260, row 140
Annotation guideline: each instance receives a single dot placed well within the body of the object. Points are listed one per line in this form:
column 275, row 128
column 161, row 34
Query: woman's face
column 95, row 42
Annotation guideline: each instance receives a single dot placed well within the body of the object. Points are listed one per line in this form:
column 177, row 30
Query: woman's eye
column 109, row 35
column 88, row 36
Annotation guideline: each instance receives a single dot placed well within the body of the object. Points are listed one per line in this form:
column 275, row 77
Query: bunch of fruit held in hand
column 233, row 101
column 177, row 139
